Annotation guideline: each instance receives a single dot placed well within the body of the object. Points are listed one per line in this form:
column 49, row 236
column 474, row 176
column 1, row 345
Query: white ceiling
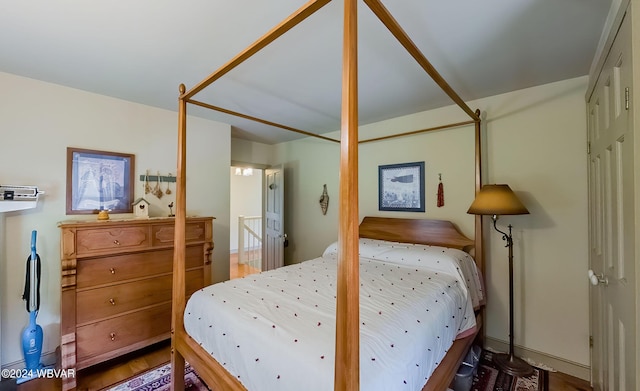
column 141, row 50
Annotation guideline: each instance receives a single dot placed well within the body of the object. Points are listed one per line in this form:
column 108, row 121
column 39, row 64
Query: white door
column 274, row 236
column 611, row 221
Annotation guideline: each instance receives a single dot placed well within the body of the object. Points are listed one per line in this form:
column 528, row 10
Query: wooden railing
column 250, row 241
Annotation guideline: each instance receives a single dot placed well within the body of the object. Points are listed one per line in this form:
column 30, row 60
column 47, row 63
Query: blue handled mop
column 32, row 335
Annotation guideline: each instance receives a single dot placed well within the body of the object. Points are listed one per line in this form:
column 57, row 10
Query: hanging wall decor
column 147, row 187
column 168, row 189
column 324, row 200
column 159, row 179
column 440, row 192
column 157, row 191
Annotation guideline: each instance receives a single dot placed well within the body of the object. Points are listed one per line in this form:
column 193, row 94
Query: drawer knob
column 112, row 270
column 116, row 242
column 113, row 302
column 113, row 336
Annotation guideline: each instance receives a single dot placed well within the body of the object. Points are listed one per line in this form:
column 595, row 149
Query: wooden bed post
column 347, row 348
column 392, row 25
column 478, row 238
column 479, row 249
column 179, row 251
column 300, row 15
column 347, row 355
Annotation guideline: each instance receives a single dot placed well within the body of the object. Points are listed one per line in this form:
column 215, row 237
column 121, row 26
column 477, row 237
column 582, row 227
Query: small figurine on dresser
column 103, row 214
column 141, row 208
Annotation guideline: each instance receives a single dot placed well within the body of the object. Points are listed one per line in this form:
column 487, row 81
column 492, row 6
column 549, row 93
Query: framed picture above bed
column 401, row 187
column 98, row 180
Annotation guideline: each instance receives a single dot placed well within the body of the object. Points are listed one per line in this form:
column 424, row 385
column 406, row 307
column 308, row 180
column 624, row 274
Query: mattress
column 276, row 330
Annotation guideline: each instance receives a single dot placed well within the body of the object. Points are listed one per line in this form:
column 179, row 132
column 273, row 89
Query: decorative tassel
column 440, row 192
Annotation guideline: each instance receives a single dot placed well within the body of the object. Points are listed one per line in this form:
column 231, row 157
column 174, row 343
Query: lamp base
column 512, row 365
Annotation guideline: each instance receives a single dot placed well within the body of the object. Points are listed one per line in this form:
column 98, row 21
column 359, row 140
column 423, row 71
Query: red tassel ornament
column 440, row 202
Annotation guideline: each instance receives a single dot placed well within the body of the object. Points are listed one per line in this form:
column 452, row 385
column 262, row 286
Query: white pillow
column 439, row 259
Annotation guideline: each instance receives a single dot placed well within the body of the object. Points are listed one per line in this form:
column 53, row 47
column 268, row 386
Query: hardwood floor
column 103, row 375
column 109, row 374
column 239, row 270
column 561, row 381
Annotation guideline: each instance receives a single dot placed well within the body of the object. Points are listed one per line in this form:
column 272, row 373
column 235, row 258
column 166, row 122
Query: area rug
column 490, row 378
column 159, row 379
column 487, row 378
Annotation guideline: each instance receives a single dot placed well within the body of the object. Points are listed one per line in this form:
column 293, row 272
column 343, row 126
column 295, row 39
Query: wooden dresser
column 116, row 285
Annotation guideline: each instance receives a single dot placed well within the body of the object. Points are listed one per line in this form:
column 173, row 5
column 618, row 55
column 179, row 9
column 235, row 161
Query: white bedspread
column 276, row 330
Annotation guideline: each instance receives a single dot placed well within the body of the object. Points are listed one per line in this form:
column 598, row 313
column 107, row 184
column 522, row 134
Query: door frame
column 262, row 168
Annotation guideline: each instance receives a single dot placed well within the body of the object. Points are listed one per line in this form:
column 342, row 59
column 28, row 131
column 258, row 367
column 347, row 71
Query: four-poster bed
column 347, row 298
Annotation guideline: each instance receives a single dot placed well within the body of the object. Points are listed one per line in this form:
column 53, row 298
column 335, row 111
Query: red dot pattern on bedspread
column 302, row 297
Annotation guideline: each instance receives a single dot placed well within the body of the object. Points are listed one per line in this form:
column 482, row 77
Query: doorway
column 245, row 225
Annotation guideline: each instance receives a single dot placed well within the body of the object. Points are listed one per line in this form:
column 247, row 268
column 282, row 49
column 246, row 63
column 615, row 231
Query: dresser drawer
column 100, row 303
column 110, row 240
column 118, row 268
column 163, row 235
column 194, row 280
column 122, row 331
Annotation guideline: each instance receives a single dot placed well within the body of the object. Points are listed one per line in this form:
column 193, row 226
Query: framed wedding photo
column 99, row 180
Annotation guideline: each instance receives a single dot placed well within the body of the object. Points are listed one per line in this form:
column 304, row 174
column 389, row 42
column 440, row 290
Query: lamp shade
column 497, row 200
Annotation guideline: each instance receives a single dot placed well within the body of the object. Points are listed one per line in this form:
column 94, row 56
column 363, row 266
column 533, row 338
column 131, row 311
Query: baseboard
column 46, row 359
column 558, row 364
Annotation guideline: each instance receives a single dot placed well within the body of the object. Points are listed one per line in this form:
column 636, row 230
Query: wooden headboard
column 423, row 231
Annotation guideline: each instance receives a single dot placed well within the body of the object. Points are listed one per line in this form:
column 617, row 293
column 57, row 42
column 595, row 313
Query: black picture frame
column 99, row 180
column 401, row 187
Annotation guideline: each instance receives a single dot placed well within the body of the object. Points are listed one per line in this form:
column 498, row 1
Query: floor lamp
column 498, row 200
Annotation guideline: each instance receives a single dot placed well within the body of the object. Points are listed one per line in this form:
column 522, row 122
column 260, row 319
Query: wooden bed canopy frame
column 347, row 311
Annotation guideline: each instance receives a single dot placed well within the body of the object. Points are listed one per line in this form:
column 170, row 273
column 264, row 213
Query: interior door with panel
column 611, row 221
column 275, row 237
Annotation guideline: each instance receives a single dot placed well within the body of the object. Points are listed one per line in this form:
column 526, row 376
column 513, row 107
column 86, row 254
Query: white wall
column 308, row 164
column 257, row 154
column 535, row 142
column 38, row 121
